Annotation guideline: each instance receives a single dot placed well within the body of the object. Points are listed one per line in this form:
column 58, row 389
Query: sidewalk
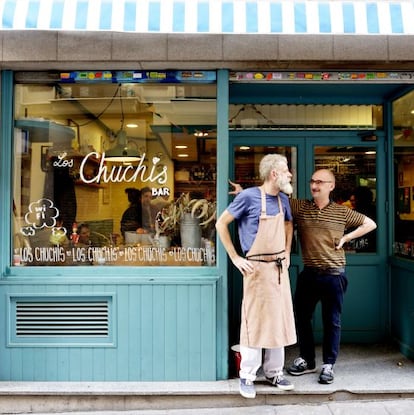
column 369, row 379
column 394, row 407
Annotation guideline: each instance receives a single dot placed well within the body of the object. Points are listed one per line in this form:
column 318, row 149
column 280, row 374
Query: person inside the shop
column 352, row 201
column 265, row 231
column 348, row 201
column 364, row 203
column 131, row 220
column 149, row 211
column 84, row 233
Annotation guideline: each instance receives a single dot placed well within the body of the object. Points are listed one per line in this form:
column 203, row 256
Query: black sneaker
column 327, row 374
column 300, row 367
column 281, row 382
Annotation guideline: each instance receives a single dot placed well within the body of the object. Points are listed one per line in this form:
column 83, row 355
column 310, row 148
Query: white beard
column 285, row 186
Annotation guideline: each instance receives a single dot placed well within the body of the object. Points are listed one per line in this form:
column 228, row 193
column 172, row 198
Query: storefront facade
column 176, row 98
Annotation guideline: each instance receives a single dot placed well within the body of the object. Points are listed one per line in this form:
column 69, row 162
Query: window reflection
column 309, row 116
column 102, row 172
column 404, row 176
column 355, row 185
column 247, row 160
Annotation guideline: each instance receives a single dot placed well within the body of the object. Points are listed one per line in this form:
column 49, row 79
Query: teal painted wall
column 402, row 305
column 162, row 331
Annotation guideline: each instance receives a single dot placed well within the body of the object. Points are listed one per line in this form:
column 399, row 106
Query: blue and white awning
column 212, row 16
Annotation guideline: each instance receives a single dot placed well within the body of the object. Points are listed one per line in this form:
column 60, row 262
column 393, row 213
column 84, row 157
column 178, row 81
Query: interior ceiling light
column 181, row 146
column 244, row 148
column 371, row 152
column 132, row 125
column 121, row 153
column 182, row 155
column 201, row 133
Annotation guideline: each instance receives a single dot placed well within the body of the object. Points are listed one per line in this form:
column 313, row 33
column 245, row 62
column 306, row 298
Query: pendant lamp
column 120, row 153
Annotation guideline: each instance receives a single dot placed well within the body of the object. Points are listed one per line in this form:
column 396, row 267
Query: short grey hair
column 271, row 162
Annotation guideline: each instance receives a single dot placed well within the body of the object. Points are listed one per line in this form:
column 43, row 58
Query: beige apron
column 267, row 319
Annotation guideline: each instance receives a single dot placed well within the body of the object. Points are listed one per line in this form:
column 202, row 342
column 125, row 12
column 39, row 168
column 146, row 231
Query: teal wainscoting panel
column 402, row 305
column 162, row 331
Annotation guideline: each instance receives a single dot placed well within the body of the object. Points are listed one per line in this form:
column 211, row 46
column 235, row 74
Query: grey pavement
column 369, row 379
column 386, row 407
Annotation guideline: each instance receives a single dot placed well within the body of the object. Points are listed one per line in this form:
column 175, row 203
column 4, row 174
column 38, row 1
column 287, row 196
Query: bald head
column 326, row 174
column 321, row 185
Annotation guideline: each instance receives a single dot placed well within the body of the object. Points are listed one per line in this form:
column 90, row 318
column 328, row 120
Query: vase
column 190, row 231
column 164, row 241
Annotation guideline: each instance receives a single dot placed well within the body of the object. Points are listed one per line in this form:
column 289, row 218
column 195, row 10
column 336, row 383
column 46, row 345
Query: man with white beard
column 265, row 232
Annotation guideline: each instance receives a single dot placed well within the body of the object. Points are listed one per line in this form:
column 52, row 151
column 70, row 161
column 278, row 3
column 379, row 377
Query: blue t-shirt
column 246, row 208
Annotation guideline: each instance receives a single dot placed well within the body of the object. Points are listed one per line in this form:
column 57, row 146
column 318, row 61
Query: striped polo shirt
column 321, row 229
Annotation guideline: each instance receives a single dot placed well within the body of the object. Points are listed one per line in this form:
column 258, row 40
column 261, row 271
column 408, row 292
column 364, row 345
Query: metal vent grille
column 62, row 318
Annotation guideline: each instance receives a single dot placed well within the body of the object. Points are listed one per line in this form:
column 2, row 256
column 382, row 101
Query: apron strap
column 262, row 257
column 263, row 194
column 254, row 256
column 277, row 261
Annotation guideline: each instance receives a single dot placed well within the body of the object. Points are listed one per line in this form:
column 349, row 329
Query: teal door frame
column 366, row 308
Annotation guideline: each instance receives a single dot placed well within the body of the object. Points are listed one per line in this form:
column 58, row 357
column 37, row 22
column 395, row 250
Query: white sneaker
column 247, row 389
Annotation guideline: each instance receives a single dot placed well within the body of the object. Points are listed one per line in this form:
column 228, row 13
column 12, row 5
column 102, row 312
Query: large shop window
column 115, row 168
column 404, row 175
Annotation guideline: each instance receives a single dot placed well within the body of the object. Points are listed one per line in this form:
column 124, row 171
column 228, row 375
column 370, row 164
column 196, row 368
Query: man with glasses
column 321, row 225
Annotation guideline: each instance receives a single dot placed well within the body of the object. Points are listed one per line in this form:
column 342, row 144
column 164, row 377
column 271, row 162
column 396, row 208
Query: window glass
column 403, row 109
column 114, row 171
column 311, row 116
column 247, row 160
column 355, row 185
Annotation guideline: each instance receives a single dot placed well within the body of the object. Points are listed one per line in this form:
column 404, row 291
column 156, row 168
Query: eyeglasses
column 319, row 182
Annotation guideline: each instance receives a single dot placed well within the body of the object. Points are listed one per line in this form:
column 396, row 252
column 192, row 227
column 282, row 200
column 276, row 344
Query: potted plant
column 185, row 215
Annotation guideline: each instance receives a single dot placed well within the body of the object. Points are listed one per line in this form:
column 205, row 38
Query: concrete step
column 363, row 373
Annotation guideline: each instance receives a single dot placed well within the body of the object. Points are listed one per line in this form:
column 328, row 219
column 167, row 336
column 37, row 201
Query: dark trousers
column 328, row 287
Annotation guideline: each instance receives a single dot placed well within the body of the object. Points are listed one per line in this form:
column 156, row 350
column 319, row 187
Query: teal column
column 390, row 199
column 6, row 156
column 222, row 200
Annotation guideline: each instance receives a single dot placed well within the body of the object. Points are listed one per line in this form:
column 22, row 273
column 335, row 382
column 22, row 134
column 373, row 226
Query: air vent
column 77, row 320
column 61, row 319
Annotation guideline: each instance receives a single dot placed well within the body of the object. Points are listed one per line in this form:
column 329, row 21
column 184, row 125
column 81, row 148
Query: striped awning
column 212, row 16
